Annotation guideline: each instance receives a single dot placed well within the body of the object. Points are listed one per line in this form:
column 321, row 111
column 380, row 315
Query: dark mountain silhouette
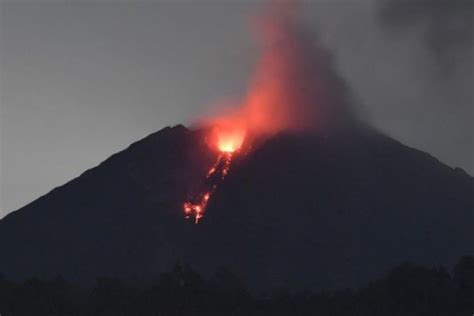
column 298, row 211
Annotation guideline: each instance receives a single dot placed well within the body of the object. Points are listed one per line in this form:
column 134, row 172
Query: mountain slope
column 302, row 211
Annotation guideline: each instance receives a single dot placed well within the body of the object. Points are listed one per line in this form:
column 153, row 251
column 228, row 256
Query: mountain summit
column 299, row 211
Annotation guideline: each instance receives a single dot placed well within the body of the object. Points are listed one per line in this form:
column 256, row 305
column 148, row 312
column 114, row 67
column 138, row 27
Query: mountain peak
column 321, row 211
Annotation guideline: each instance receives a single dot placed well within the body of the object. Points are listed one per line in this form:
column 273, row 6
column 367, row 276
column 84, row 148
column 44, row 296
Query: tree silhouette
column 406, row 290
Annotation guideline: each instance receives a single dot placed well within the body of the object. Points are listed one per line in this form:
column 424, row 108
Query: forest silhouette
column 407, row 289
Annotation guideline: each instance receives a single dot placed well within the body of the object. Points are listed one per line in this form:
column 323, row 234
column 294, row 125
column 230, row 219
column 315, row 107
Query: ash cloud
column 441, row 34
column 446, row 28
column 294, row 85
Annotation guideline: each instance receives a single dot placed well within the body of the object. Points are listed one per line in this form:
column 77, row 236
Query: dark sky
column 81, row 80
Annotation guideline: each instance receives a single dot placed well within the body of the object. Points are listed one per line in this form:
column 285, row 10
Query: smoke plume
column 293, row 86
column 446, row 28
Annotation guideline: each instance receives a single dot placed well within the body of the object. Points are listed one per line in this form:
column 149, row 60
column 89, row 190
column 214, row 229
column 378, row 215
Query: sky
column 81, row 80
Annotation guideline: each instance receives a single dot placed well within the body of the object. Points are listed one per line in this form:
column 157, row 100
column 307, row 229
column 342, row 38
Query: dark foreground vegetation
column 406, row 290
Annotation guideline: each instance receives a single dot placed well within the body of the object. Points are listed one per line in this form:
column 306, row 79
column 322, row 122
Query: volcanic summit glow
column 293, row 88
column 230, row 141
column 228, row 134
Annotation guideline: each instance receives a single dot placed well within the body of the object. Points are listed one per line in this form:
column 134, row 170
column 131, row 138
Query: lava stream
column 196, row 205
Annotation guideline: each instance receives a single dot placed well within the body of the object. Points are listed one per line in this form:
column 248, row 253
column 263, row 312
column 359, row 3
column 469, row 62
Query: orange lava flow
column 196, row 205
column 286, row 92
column 226, row 137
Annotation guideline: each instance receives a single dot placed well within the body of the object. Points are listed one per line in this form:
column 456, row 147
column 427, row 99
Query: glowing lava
column 293, row 88
column 230, row 140
column 227, row 142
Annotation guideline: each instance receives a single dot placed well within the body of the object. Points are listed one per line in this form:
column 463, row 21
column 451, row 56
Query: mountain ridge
column 330, row 203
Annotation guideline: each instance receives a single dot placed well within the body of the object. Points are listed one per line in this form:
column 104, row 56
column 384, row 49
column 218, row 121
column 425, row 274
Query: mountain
column 298, row 211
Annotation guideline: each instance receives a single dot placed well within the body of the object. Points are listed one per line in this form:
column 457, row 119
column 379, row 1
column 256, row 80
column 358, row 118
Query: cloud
column 446, row 27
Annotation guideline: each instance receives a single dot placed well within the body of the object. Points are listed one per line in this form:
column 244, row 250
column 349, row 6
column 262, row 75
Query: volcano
column 305, row 211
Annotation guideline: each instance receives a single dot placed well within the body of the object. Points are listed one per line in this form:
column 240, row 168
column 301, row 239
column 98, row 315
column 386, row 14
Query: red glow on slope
column 227, row 137
column 196, row 205
column 292, row 88
column 267, row 107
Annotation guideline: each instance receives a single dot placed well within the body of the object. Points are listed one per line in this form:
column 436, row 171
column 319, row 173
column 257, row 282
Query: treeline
column 406, row 290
